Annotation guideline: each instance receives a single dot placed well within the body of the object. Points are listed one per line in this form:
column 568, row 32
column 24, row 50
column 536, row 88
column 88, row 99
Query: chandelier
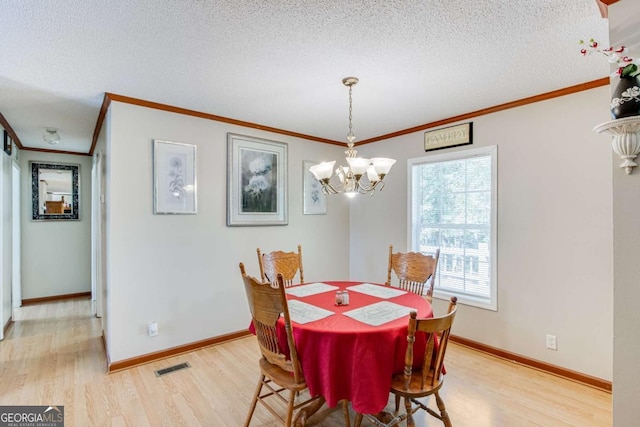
column 351, row 177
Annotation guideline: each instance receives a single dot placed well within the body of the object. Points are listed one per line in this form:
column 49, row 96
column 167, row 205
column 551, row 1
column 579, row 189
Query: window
column 452, row 206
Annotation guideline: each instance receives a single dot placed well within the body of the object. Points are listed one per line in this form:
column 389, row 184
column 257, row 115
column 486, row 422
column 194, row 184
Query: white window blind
column 452, row 198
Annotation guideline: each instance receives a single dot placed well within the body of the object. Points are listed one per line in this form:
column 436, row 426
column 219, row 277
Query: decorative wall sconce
column 626, row 139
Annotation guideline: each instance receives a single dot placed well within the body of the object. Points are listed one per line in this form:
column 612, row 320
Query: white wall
column 624, row 30
column 56, row 255
column 182, row 270
column 554, row 230
column 101, row 250
column 5, row 233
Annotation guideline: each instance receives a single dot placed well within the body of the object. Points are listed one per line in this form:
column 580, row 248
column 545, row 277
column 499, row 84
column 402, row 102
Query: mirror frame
column 35, row 193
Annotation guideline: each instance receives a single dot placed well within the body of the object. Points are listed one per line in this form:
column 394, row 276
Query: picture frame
column 257, row 192
column 314, row 201
column 8, row 143
column 452, row 136
column 174, row 178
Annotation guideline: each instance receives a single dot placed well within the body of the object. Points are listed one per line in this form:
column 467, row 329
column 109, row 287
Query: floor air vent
column 161, row 372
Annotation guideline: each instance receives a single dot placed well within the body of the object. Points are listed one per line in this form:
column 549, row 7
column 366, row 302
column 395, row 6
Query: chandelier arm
column 368, row 188
column 359, row 186
column 329, row 188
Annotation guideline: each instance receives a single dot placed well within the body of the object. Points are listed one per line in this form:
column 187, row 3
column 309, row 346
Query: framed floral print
column 256, row 181
column 174, row 178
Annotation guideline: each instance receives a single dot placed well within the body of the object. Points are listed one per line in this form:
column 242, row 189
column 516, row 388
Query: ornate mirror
column 55, row 191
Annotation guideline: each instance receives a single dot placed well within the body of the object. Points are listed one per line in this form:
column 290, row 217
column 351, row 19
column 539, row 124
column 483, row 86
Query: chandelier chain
column 350, row 114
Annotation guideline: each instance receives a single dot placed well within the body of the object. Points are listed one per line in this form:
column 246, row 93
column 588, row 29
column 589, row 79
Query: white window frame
column 412, row 209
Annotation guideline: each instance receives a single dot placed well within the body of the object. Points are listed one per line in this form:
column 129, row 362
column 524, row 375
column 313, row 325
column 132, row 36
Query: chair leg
column 292, row 401
column 345, row 410
column 397, row 403
column 407, row 407
column 358, row 420
column 443, row 410
column 254, row 401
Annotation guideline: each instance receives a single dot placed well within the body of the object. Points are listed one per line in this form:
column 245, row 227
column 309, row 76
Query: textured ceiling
column 281, row 63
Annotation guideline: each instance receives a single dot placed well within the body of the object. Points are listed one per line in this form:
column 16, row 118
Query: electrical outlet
column 152, row 329
column 552, row 343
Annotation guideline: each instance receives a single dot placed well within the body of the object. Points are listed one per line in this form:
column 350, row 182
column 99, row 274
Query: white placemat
column 384, row 292
column 379, row 313
column 302, row 313
column 310, row 289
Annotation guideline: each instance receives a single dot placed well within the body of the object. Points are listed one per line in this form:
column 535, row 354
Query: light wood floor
column 53, row 355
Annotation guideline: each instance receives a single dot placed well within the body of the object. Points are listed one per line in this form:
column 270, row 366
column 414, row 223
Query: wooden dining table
column 352, row 351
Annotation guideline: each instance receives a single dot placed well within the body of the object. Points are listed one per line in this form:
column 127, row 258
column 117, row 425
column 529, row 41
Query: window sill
column 483, row 303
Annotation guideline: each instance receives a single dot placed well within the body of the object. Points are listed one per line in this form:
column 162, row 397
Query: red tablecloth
column 343, row 358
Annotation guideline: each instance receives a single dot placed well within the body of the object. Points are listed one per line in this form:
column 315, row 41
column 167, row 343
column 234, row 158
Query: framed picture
column 174, row 178
column 8, row 143
column 452, row 136
column 256, row 181
column 313, row 199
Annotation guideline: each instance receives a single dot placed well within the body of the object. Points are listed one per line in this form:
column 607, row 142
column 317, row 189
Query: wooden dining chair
column 413, row 269
column 280, row 373
column 424, row 379
column 286, row 263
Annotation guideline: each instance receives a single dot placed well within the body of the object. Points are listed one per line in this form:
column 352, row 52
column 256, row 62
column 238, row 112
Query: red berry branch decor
column 625, row 100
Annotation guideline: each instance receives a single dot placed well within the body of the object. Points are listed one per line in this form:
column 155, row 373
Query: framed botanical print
column 174, row 178
column 256, row 181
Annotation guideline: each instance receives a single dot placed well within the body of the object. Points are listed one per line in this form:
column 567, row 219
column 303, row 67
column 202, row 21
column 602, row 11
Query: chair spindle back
column 437, row 330
column 267, row 302
column 278, row 262
column 413, row 269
